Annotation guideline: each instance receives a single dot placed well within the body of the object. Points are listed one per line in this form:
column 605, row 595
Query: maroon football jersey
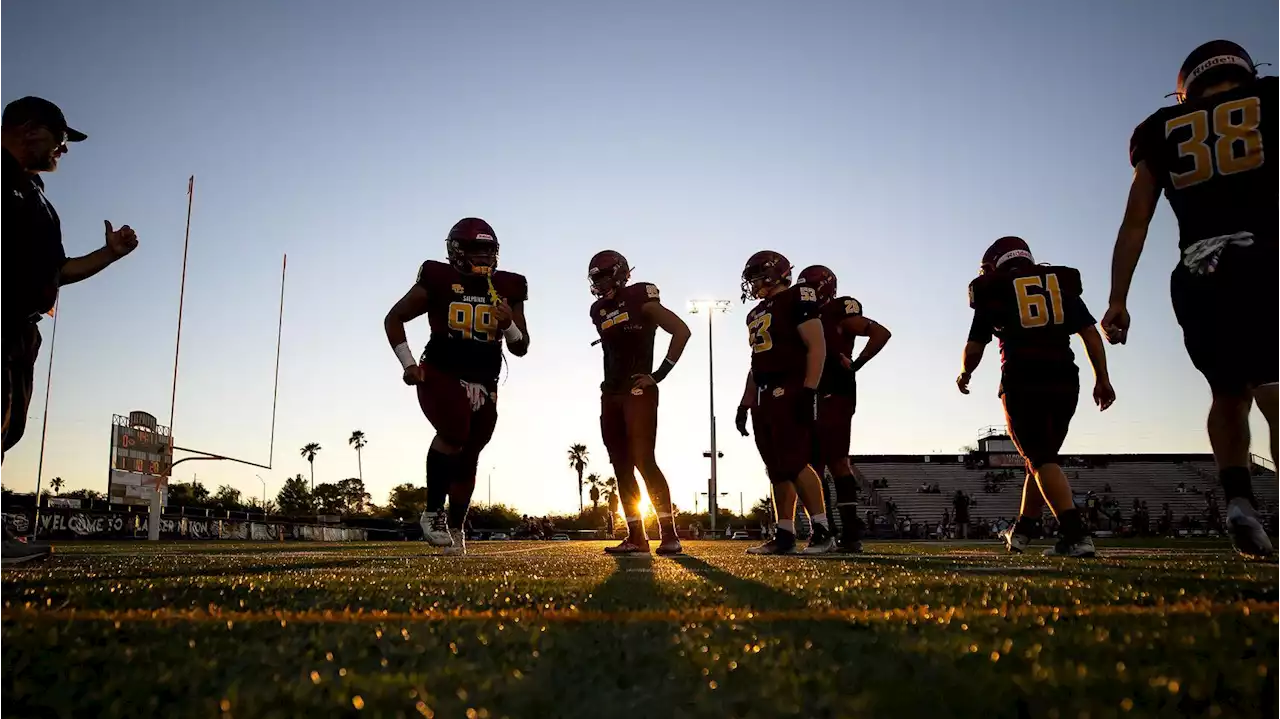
column 465, row 339
column 777, row 351
column 1209, row 156
column 836, row 378
column 625, row 336
column 1034, row 310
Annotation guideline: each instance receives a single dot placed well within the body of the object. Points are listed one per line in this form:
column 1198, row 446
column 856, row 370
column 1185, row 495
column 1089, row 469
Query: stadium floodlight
column 711, row 308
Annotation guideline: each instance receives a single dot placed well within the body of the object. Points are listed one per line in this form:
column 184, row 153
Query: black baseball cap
column 40, row 111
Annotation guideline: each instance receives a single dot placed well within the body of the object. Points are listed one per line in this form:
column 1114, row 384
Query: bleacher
column 1150, row 478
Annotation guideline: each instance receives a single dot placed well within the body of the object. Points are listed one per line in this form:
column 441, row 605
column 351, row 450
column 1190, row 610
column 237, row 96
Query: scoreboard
column 141, row 458
column 140, row 450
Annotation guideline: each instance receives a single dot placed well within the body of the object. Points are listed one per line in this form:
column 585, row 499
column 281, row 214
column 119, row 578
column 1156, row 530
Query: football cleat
column 1079, row 549
column 1247, row 533
column 629, row 546
column 822, row 541
column 435, row 528
column 1013, row 541
column 458, row 548
column 608, row 272
column 783, row 542
column 20, row 550
column 670, row 546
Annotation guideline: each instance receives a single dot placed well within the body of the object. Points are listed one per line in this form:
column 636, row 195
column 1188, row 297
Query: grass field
column 521, row 629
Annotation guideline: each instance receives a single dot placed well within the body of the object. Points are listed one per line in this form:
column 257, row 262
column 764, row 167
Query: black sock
column 460, row 491
column 1236, row 482
column 1072, row 525
column 1030, row 526
column 441, row 469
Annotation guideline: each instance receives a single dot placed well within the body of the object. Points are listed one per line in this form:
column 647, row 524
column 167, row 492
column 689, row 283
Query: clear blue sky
column 890, row 141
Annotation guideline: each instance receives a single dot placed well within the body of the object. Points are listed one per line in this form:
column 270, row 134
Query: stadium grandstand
column 916, row 495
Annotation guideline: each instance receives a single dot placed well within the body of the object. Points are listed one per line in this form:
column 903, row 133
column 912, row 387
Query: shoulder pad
column 429, row 270
column 651, row 291
column 512, row 286
column 803, row 293
column 975, row 289
column 849, row 307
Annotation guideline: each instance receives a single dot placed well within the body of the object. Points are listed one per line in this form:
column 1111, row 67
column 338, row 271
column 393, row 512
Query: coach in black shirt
column 35, row 265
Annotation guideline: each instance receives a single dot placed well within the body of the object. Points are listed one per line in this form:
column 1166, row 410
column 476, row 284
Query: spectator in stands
column 1166, row 520
column 960, row 502
column 1182, row 488
column 1106, row 487
column 923, row 488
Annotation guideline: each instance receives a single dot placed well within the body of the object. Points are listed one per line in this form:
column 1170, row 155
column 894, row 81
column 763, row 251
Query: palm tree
column 593, row 481
column 357, row 440
column 578, row 463
column 56, row 483
column 310, row 451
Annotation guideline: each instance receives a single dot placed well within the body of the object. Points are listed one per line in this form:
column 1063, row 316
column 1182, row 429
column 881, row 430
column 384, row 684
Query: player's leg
column 793, row 446
column 784, row 491
column 444, row 402
column 484, row 419
column 1038, row 424
column 835, row 419
column 1230, row 355
column 21, row 346
column 1267, row 398
column 613, row 430
column 642, row 436
column 1027, row 527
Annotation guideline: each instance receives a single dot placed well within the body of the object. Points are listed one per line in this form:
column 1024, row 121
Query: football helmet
column 472, row 246
column 608, row 272
column 1210, row 63
column 1003, row 250
column 822, row 280
column 764, row 269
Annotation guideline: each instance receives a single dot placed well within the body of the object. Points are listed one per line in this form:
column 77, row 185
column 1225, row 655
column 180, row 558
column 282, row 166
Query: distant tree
column 56, row 483
column 407, row 501
column 578, row 463
column 328, row 498
column 295, row 496
column 762, row 510
column 188, row 494
column 494, row 516
column 310, row 450
column 228, row 497
column 968, row 449
column 88, row 494
column 255, row 505
column 355, row 499
column 595, row 483
column 357, row 440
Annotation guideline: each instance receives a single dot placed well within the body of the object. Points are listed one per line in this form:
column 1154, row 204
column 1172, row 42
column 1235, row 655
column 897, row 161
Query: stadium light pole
column 264, row 492
column 710, row 308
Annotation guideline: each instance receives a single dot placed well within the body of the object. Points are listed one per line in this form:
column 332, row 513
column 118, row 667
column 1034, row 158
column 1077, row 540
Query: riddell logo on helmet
column 1218, row 61
column 482, row 236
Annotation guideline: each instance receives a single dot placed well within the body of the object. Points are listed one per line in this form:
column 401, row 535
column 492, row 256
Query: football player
column 788, row 352
column 1034, row 310
column 626, row 316
column 472, row 308
column 1208, row 155
column 842, row 323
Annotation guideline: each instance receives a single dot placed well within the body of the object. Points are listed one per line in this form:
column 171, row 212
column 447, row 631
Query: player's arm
column 1144, row 195
column 517, row 334
column 408, row 308
column 670, row 323
column 877, row 337
column 1103, row 394
column 974, row 347
column 815, row 342
column 744, row 406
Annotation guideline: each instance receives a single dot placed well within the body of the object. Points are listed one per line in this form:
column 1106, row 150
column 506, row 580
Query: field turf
column 524, row 629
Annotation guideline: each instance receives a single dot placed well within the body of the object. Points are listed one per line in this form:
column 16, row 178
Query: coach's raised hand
column 122, row 241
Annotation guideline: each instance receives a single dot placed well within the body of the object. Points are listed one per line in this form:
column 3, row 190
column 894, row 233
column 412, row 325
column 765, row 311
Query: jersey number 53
column 758, row 330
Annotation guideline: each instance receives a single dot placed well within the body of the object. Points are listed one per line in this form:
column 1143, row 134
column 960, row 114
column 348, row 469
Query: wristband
column 513, row 334
column 405, row 355
column 663, row 369
column 858, row 364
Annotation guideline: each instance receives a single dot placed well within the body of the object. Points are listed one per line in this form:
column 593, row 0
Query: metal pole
column 44, row 430
column 182, row 293
column 275, row 392
column 712, row 503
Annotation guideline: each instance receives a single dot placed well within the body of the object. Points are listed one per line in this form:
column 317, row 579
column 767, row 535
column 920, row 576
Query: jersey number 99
column 472, row 321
